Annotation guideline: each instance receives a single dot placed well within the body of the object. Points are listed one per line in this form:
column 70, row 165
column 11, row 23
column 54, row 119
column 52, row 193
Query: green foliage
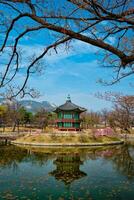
column 25, row 116
column 3, row 110
column 3, row 115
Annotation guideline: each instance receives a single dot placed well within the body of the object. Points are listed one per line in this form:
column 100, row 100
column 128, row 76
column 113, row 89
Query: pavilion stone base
column 69, row 129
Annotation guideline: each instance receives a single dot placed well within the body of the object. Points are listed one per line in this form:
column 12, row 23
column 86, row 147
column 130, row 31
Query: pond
column 67, row 173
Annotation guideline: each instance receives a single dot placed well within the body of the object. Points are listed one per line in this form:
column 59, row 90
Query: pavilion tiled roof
column 69, row 106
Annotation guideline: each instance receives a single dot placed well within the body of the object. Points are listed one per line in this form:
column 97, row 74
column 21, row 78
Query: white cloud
column 77, row 48
column 28, row 107
column 111, row 40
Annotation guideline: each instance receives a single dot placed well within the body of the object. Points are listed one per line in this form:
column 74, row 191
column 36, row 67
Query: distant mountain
column 4, row 101
column 31, row 105
column 34, row 106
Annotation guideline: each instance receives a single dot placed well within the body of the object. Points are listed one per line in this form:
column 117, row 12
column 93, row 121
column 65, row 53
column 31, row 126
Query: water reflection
column 68, row 161
column 44, row 173
column 11, row 156
column 124, row 161
column 68, row 168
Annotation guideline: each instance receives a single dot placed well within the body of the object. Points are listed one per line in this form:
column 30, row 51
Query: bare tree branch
column 90, row 21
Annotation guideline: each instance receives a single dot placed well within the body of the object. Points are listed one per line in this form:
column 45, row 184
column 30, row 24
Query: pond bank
column 67, row 144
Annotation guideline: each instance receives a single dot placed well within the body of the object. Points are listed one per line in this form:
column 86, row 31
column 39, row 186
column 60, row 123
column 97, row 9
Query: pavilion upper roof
column 69, row 106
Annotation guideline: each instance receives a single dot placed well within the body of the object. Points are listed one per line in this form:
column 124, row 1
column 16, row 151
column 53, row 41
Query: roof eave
column 64, row 110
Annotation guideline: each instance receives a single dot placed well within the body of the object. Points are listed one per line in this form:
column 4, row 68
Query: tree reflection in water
column 11, row 156
column 124, row 161
column 68, row 164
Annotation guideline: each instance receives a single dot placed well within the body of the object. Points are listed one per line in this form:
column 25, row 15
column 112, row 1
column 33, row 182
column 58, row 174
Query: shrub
column 104, row 132
column 83, row 138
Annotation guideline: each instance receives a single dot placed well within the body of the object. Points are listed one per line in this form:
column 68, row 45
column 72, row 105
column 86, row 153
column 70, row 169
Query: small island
column 68, row 131
column 81, row 139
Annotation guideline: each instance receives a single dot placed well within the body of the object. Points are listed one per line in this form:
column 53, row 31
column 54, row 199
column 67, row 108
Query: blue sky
column 75, row 71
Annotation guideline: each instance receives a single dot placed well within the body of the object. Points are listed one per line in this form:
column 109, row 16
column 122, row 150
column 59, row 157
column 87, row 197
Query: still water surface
column 69, row 173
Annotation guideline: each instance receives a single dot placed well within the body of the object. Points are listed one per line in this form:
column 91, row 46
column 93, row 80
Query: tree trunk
column 3, row 128
column 18, row 126
column 14, row 127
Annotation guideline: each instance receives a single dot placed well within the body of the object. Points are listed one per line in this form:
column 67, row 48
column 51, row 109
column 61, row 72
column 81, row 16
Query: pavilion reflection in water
column 68, row 168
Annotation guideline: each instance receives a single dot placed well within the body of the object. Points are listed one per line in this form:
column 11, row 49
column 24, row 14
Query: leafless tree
column 90, row 119
column 107, row 25
column 41, row 118
column 122, row 115
column 14, row 114
column 104, row 116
